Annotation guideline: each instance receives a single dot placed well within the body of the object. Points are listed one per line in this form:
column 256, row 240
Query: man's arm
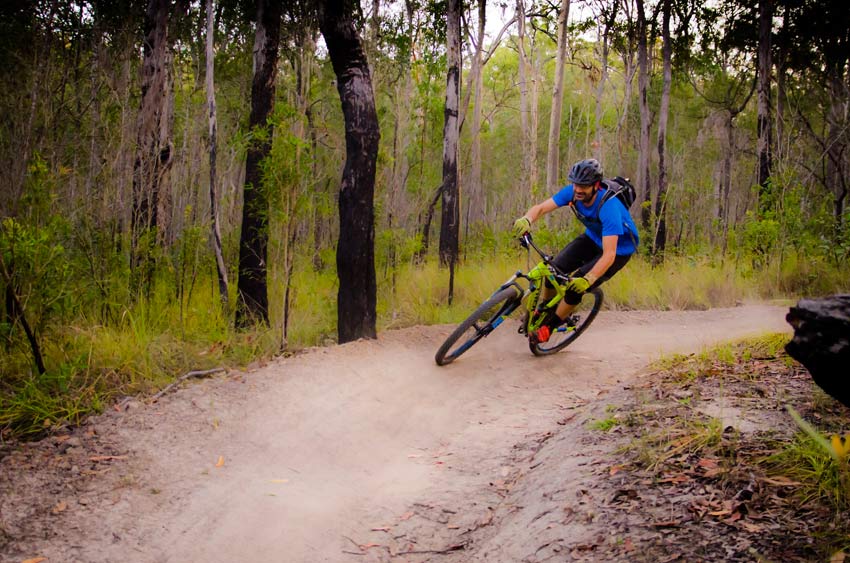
column 541, row 209
column 609, row 253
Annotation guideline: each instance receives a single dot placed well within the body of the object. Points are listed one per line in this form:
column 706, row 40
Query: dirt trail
column 320, row 449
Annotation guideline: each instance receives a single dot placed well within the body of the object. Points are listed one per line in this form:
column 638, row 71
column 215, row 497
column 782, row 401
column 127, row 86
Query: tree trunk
column 763, row 148
column 836, row 160
column 355, row 257
column 426, row 225
column 660, row 241
column 629, row 68
column 475, row 199
column 726, row 172
column 553, row 150
column 221, row 268
column 644, row 192
column 533, row 121
column 598, row 152
column 253, row 301
column 449, row 225
column 522, row 77
column 153, row 156
column 15, row 313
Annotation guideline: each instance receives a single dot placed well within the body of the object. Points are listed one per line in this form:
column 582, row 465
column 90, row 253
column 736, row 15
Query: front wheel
column 579, row 320
column 479, row 324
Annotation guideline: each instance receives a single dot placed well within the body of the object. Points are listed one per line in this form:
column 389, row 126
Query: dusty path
column 320, row 449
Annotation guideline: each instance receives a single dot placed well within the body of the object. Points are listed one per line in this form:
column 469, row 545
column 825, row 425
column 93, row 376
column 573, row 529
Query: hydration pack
column 620, row 188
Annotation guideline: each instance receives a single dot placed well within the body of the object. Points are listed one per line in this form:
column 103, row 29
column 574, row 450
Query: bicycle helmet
column 585, row 172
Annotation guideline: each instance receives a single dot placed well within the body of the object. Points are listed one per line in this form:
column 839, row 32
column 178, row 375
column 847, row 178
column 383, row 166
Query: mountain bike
column 539, row 305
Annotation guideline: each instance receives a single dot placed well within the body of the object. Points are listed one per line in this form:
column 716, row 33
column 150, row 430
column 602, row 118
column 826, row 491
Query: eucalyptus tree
column 253, row 302
column 720, row 74
column 154, row 144
column 605, row 22
column 660, row 239
column 221, row 267
column 764, row 146
column 481, row 54
column 450, row 223
column 644, row 192
column 355, row 257
column 553, row 151
column 815, row 42
column 450, row 218
column 623, row 41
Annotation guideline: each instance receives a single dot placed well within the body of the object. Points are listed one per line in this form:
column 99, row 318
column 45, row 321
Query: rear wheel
column 580, row 319
column 479, row 324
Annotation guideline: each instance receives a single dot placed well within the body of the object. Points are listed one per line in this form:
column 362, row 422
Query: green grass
column 143, row 347
column 604, row 425
column 822, row 478
column 723, row 358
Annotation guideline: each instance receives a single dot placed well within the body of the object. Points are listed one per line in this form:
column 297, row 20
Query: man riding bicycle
column 609, row 240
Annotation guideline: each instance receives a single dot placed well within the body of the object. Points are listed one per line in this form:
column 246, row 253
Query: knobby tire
column 481, row 322
column 587, row 311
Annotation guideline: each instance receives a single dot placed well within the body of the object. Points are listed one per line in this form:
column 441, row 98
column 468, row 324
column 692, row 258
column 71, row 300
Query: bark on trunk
column 726, row 172
column 355, row 256
column 553, row 151
column 608, row 22
column 221, row 268
column 764, row 124
column 644, row 193
column 629, row 68
column 524, row 119
column 153, row 156
column 450, row 221
column 837, row 144
column 16, row 314
column 820, row 342
column 253, row 302
column 475, row 199
column 660, row 241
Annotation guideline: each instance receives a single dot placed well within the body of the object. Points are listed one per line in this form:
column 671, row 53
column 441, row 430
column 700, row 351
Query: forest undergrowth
column 720, row 465
column 92, row 360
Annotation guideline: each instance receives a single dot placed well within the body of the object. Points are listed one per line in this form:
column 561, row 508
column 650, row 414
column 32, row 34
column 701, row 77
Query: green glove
column 578, row 285
column 521, row 226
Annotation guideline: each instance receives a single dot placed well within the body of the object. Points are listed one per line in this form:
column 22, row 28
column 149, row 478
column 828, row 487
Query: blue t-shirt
column 611, row 219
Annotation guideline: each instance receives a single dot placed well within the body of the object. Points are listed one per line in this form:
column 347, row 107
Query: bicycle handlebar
column 525, row 241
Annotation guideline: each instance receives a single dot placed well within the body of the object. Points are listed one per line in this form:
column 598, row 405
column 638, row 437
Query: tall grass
column 91, row 362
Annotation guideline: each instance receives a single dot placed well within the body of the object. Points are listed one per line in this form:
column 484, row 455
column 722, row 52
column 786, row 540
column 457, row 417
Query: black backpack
column 618, row 187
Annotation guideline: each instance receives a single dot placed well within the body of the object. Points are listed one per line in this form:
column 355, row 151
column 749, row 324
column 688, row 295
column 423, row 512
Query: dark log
column 822, row 342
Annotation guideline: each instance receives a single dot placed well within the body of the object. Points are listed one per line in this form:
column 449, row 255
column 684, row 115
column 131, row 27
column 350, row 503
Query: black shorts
column 579, row 257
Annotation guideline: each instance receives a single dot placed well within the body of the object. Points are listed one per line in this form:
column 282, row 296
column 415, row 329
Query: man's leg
column 577, row 258
column 571, row 300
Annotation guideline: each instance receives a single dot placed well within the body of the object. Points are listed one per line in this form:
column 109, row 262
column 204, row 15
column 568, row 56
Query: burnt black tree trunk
column 450, row 224
column 355, row 254
column 153, row 153
column 253, row 301
column 822, row 342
